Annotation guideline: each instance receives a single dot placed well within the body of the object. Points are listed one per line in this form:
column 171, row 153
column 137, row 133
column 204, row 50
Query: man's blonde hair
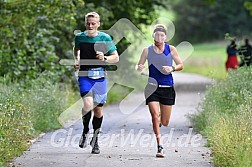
column 92, row 14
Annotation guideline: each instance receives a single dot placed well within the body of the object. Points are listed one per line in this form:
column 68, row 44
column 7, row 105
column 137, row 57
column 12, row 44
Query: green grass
column 117, row 93
column 26, row 112
column 15, row 126
column 226, row 119
column 208, row 59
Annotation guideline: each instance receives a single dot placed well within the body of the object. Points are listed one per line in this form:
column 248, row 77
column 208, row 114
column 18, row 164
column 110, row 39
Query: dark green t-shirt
column 89, row 45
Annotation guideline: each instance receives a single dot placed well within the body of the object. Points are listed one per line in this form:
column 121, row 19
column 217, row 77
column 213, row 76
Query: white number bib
column 96, row 73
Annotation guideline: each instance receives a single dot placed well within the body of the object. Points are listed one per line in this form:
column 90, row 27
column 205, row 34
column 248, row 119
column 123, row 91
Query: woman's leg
column 154, row 111
column 165, row 114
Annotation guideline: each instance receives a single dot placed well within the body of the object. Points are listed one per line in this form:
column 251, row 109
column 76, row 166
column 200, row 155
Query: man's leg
column 99, row 101
column 100, row 96
column 97, row 122
column 97, row 119
column 86, row 116
column 85, row 86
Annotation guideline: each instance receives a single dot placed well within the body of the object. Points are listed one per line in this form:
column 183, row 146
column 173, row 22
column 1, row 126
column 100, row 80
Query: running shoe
column 160, row 152
column 95, row 146
column 83, row 140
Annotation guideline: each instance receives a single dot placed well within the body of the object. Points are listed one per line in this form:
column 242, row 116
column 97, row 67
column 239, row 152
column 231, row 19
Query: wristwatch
column 173, row 69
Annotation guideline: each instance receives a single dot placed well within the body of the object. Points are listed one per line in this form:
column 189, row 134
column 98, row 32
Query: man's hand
column 76, row 64
column 100, row 55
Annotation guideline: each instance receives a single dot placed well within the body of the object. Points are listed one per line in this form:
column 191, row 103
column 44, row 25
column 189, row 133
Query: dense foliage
column 207, row 20
column 226, row 119
column 37, row 34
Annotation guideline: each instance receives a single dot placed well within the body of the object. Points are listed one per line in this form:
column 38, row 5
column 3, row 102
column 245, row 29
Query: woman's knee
column 165, row 122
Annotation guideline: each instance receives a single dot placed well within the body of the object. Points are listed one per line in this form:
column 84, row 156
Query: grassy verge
column 26, row 112
column 208, row 59
column 15, row 125
column 117, row 93
column 226, row 119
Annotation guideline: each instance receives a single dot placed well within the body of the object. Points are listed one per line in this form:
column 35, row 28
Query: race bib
column 96, row 73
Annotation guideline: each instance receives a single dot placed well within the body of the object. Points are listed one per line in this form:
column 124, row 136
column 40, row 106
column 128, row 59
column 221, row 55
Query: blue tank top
column 155, row 63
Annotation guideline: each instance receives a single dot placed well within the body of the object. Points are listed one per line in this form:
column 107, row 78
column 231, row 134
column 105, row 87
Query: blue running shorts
column 97, row 88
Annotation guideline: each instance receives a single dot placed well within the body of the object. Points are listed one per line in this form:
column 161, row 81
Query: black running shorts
column 163, row 95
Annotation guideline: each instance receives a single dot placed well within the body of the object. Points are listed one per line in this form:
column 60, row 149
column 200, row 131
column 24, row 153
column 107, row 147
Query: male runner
column 93, row 45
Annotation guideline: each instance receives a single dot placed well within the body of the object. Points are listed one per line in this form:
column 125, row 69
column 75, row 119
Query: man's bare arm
column 76, row 53
column 112, row 58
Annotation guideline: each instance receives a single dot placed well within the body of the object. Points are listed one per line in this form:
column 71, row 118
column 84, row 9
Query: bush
column 46, row 100
column 15, row 123
column 226, row 119
column 28, row 110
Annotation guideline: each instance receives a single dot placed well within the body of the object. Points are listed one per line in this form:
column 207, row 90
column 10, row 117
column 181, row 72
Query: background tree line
column 199, row 21
column 35, row 35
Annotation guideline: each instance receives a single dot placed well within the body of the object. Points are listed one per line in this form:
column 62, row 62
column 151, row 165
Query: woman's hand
column 167, row 69
column 139, row 67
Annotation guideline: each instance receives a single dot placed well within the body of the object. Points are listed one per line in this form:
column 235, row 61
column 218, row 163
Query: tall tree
column 36, row 34
column 210, row 19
